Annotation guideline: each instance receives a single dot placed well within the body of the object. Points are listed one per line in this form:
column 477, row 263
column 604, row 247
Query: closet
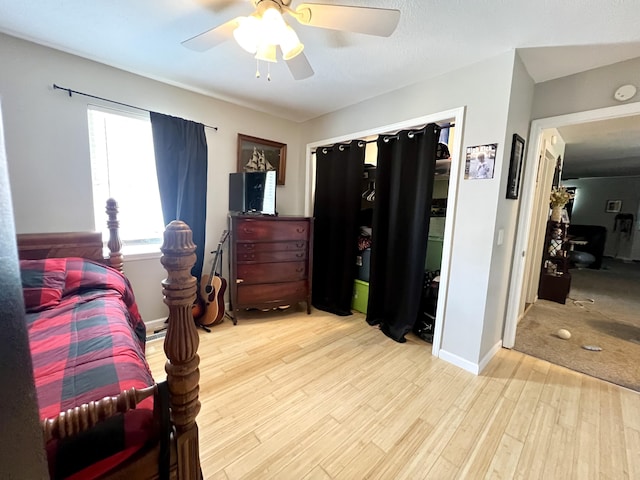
column 425, row 322
column 426, row 317
column 372, row 199
column 365, row 223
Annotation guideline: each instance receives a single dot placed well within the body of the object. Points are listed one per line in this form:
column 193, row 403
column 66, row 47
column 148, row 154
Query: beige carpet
column 611, row 322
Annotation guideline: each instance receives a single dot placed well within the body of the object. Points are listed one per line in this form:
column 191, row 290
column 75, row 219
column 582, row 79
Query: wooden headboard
column 32, row 246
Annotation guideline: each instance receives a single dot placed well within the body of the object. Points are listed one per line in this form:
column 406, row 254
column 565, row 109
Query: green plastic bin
column 360, row 296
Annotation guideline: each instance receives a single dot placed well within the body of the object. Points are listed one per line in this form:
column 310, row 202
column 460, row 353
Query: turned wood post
column 181, row 344
column 82, row 418
column 114, row 244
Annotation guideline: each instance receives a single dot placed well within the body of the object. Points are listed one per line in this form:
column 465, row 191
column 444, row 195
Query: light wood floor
column 291, row 396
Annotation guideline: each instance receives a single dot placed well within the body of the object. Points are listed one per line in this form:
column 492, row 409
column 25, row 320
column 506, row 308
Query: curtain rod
column 70, row 92
column 362, row 143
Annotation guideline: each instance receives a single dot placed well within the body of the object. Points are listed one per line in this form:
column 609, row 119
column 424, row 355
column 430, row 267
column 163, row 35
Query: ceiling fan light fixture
column 266, row 53
column 273, row 26
column 290, row 44
column 247, row 34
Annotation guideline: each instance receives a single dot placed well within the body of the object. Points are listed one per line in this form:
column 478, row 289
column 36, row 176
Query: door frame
column 546, row 170
column 457, row 116
column 527, row 206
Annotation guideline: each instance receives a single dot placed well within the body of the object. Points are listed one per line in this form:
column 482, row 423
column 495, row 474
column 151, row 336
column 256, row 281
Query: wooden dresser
column 270, row 261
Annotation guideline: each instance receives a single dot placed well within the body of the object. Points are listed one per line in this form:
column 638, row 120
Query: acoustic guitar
column 212, row 289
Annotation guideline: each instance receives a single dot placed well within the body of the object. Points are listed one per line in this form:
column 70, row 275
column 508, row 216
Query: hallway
column 602, row 311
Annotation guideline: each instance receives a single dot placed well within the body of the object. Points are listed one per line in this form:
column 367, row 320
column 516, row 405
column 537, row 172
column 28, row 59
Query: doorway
column 597, row 307
column 528, row 206
column 455, row 116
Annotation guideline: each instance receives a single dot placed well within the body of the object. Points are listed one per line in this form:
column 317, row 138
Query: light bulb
column 267, row 53
column 273, row 26
column 248, row 33
column 290, row 44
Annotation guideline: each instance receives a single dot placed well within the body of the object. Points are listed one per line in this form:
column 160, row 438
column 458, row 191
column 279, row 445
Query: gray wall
column 48, row 157
column 589, row 209
column 474, row 311
column 518, row 121
column 584, row 91
column 21, row 443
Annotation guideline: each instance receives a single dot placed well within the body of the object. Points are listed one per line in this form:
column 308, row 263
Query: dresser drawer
column 269, row 230
column 250, row 247
column 260, row 257
column 271, row 272
column 276, row 293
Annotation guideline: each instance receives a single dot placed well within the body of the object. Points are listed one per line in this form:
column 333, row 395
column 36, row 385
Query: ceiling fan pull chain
column 257, row 68
column 268, row 72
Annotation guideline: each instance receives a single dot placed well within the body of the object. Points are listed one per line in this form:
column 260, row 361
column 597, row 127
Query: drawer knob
column 300, row 270
column 301, row 229
column 299, row 245
column 239, row 280
column 299, row 255
column 247, row 230
column 249, row 256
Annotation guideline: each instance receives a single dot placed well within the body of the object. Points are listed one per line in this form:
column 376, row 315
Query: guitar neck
column 218, row 252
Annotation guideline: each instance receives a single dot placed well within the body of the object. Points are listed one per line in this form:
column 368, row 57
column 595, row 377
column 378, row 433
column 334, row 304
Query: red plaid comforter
column 87, row 343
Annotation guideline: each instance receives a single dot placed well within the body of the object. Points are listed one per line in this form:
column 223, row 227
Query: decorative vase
column 556, row 213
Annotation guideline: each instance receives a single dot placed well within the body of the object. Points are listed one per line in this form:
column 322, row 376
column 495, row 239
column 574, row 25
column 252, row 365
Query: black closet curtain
column 181, row 163
column 404, row 187
column 339, row 171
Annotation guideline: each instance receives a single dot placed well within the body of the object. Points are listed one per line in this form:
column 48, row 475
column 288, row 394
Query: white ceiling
column 432, row 38
column 602, row 149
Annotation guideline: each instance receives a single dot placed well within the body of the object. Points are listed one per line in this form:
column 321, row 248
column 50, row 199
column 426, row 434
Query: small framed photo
column 515, row 167
column 260, row 155
column 613, row 206
column 480, row 161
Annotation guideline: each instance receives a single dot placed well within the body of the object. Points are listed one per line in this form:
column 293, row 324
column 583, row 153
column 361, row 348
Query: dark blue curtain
column 404, row 188
column 339, row 171
column 181, row 163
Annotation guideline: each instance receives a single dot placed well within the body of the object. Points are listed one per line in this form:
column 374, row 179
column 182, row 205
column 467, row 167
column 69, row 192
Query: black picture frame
column 273, row 154
column 515, row 167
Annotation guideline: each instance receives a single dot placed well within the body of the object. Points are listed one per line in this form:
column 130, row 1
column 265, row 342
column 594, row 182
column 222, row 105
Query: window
column 123, row 167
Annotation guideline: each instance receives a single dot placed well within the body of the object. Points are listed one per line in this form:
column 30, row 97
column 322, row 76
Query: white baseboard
column 153, row 325
column 459, row 361
column 490, row 354
column 158, row 323
column 475, row 368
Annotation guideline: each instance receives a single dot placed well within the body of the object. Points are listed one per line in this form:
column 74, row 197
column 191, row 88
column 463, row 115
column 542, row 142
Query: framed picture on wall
column 515, row 167
column 480, row 161
column 613, row 206
column 259, row 155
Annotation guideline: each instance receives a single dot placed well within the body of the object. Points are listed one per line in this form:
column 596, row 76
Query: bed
column 102, row 414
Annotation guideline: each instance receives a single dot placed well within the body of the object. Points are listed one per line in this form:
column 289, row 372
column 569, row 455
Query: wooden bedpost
column 181, row 345
column 114, row 244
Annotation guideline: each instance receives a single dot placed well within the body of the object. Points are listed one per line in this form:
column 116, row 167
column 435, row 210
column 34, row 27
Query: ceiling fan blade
column 371, row 21
column 213, row 37
column 220, row 5
column 300, row 67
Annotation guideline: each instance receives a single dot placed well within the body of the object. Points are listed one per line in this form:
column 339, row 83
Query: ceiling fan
column 262, row 32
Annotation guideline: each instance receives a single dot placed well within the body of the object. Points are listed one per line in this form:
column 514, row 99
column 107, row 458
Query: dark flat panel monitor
column 253, row 192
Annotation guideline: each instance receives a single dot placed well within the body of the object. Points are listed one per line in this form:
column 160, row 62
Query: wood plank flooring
column 290, row 396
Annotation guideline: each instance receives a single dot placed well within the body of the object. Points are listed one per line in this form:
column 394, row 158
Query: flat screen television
column 253, row 192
